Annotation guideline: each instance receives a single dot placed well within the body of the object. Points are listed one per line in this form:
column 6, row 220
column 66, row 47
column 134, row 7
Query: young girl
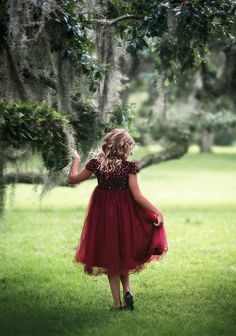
column 117, row 237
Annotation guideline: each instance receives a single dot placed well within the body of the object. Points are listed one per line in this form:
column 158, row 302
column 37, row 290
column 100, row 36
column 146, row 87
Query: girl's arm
column 74, row 176
column 140, row 198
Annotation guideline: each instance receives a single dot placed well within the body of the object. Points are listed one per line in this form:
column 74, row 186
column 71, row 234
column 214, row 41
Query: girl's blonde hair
column 116, row 148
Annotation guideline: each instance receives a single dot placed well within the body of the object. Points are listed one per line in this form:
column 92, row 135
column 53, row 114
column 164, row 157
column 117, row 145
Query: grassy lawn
column 192, row 291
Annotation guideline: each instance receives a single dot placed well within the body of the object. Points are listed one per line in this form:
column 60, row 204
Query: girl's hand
column 160, row 219
column 75, row 154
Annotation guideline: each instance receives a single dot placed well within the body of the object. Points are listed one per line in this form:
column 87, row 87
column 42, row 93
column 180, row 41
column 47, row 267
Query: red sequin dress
column 118, row 235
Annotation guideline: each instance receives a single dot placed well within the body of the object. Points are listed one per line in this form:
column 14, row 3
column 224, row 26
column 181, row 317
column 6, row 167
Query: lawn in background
column 192, row 291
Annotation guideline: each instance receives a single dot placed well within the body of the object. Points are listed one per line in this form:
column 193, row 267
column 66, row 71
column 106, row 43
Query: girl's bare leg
column 114, row 281
column 125, row 283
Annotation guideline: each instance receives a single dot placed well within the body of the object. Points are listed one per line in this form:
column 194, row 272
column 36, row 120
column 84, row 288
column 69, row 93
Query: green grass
column 192, row 291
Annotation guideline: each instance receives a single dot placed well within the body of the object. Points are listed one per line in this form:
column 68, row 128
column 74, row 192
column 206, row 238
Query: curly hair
column 117, row 146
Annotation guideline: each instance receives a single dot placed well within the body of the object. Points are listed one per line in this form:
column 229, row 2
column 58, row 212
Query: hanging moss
column 43, row 128
column 88, row 125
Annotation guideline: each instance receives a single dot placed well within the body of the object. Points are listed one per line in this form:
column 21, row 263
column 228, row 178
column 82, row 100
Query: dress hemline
column 98, row 270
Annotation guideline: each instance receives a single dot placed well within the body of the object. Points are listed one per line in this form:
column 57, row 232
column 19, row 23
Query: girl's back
column 117, row 179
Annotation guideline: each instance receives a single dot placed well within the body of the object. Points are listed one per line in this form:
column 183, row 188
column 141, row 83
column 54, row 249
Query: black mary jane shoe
column 129, row 301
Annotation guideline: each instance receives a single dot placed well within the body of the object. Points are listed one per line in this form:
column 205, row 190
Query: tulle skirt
column 118, row 235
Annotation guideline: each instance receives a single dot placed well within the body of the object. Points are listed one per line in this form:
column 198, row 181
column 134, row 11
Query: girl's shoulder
column 92, row 165
column 132, row 167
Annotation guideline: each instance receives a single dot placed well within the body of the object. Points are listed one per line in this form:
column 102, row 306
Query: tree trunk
column 206, row 142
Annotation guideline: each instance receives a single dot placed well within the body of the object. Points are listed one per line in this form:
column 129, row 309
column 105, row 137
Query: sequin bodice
column 117, row 179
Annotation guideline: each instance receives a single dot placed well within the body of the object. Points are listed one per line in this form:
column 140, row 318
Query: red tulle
column 118, row 235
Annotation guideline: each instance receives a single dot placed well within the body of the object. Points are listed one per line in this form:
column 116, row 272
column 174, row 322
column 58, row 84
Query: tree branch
column 33, row 178
column 170, row 154
column 146, row 161
column 109, row 23
column 28, row 178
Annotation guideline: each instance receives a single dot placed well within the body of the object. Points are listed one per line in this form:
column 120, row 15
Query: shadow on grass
column 22, row 313
column 181, row 309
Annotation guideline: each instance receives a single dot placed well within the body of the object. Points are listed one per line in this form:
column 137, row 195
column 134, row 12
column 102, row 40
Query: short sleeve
column 133, row 168
column 91, row 165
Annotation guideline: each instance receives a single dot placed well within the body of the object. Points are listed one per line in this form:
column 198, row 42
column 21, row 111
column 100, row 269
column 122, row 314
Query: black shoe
column 129, row 301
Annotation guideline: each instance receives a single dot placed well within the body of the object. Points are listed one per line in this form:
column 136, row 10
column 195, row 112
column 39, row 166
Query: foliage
column 75, row 44
column 87, row 124
column 225, row 138
column 38, row 126
column 218, row 121
column 178, row 32
column 73, row 41
column 183, row 131
column 177, row 131
column 123, row 116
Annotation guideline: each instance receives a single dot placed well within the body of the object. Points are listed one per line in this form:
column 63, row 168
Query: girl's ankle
column 127, row 290
column 117, row 303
